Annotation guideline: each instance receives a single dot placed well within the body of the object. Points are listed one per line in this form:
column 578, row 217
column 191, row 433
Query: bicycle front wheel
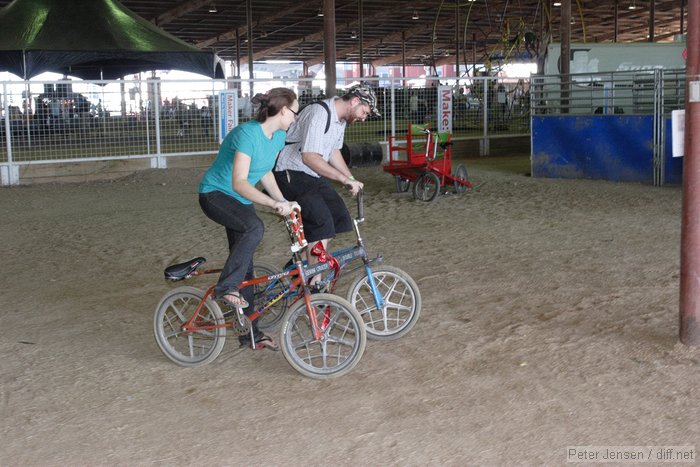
column 402, row 302
column 340, row 346
column 188, row 348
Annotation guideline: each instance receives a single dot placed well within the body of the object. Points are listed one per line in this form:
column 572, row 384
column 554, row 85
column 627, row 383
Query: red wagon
column 424, row 158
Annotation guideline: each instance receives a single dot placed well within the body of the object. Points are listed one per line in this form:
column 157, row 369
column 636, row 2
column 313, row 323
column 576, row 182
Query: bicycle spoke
column 399, row 298
column 179, row 313
column 195, row 346
column 341, row 342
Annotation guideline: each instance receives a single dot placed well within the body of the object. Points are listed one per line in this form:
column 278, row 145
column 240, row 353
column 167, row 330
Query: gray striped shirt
column 306, row 135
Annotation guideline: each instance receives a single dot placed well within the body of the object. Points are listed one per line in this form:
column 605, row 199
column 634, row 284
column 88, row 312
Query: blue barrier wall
column 674, row 165
column 607, row 147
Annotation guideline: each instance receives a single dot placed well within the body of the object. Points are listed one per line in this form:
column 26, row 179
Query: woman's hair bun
column 260, row 99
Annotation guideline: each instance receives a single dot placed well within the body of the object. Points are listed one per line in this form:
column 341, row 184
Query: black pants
column 244, row 231
column 322, row 209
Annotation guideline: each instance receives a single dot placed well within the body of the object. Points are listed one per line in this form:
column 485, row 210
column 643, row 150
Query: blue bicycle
column 386, row 297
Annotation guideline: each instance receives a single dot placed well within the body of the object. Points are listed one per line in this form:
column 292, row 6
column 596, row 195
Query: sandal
column 237, row 302
column 262, row 342
column 266, row 342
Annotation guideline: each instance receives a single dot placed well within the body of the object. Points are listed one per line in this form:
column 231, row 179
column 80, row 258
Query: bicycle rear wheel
column 188, row 349
column 342, row 342
column 272, row 317
column 402, row 302
column 461, row 174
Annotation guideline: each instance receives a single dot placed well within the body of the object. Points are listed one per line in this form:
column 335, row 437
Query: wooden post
column 690, row 222
column 249, row 23
column 362, row 39
column 565, row 55
column 329, row 45
column 652, row 19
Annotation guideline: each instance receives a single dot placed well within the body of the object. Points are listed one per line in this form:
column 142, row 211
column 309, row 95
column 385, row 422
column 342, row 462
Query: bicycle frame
column 298, row 273
column 346, row 255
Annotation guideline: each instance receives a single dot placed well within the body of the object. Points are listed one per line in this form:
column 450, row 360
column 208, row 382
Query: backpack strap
column 328, row 119
column 328, row 110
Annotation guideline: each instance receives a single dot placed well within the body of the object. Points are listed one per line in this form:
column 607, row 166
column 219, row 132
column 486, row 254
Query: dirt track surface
column 549, row 320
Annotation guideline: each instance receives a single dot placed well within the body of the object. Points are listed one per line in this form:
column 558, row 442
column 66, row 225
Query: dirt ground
column 549, row 320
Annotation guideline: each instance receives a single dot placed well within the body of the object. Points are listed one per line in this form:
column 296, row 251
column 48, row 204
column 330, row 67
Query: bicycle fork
column 378, row 299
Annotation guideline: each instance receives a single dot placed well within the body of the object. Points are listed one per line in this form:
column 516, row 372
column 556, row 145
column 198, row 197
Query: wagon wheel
column 402, row 184
column 427, row 187
column 461, row 174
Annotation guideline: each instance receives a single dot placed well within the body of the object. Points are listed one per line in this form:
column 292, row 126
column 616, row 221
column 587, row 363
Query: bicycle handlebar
column 295, row 226
column 360, row 206
column 296, row 230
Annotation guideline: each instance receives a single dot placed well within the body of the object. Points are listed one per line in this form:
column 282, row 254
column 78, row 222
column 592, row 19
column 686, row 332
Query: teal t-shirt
column 249, row 139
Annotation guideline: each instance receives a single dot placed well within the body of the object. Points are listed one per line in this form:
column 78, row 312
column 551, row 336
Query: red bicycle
column 322, row 336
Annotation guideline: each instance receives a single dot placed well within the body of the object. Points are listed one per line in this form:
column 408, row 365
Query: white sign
column 677, row 132
column 228, row 111
column 444, row 110
column 694, row 91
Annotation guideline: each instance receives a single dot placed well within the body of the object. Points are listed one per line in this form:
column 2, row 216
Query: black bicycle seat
column 178, row 272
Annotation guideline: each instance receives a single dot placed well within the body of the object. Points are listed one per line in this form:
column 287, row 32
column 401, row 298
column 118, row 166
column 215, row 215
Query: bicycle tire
column 461, row 174
column 427, row 187
column 340, row 348
column 402, row 184
column 402, row 303
column 270, row 320
column 187, row 349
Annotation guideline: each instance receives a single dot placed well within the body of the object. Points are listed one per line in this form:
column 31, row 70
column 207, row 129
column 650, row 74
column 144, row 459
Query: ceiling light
column 353, row 35
column 556, row 4
column 212, row 8
column 320, row 12
column 415, row 15
column 633, row 6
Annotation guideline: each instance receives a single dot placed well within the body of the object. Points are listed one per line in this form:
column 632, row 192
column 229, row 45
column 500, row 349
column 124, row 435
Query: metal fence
column 611, row 121
column 617, row 93
column 70, row 121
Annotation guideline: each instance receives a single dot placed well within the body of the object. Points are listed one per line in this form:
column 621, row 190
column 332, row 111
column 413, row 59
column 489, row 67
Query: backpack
column 328, row 120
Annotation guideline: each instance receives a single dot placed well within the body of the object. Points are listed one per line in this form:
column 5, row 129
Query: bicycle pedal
column 243, row 320
column 318, row 288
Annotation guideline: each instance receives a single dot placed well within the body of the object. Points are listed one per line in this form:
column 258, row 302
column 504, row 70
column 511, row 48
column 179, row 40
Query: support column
column 403, row 59
column 329, row 45
column 249, row 23
column 652, row 19
column 616, row 19
column 362, row 39
column 690, row 222
column 457, row 44
column 682, row 25
column 473, row 55
column 565, row 56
